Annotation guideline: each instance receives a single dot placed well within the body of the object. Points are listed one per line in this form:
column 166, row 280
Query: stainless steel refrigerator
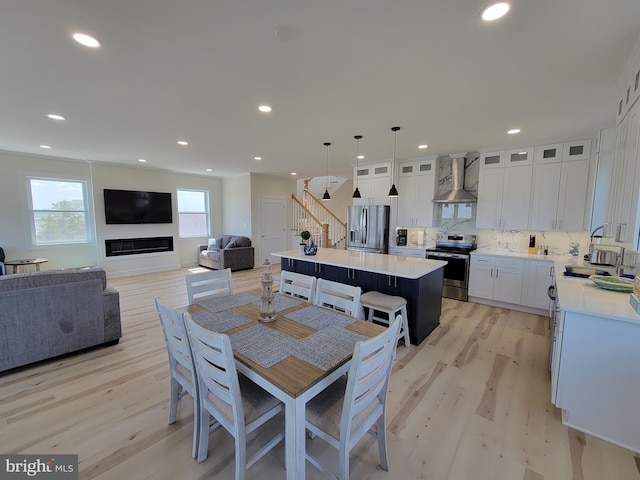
column 368, row 228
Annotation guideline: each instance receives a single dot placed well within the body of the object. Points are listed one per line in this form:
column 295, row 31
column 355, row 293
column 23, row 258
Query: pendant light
column 393, row 192
column 356, row 192
column 326, row 195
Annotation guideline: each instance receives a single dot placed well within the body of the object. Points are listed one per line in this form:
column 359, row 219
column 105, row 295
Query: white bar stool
column 389, row 304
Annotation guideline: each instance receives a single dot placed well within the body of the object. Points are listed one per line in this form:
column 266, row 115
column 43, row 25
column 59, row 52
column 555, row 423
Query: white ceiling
column 198, row 69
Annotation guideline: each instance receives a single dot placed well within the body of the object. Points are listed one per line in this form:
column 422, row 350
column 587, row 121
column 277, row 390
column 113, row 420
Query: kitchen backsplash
column 517, row 241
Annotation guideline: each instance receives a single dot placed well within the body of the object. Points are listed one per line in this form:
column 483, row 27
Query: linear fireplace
column 135, row 246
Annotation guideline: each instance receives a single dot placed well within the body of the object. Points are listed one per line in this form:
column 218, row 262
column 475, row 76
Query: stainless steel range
column 455, row 250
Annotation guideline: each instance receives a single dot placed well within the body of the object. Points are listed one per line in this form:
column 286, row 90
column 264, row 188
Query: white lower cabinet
column 496, row 278
column 408, row 252
column 538, row 277
column 595, row 372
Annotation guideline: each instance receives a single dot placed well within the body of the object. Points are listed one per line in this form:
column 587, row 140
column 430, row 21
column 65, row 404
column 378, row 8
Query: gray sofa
column 227, row 251
column 50, row 313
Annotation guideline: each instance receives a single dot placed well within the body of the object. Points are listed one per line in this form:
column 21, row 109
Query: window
column 59, row 211
column 193, row 213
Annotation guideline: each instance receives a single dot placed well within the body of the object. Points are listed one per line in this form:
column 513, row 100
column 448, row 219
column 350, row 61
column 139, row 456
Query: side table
column 26, row 262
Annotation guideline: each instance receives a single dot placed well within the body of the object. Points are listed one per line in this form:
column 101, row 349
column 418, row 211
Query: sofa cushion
column 46, row 278
column 241, row 241
column 212, row 254
column 230, row 245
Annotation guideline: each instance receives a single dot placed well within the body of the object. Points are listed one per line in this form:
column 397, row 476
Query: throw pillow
column 214, row 243
column 241, row 241
column 230, row 245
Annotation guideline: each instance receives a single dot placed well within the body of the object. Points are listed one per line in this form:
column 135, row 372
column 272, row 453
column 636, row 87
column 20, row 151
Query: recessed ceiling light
column 423, row 146
column 182, row 143
column 142, row 160
column 257, row 158
column 494, row 11
column 265, row 108
column 45, row 146
column 54, row 116
column 86, row 40
column 360, row 157
column 285, row 33
column 294, row 173
column 513, row 131
column 209, row 169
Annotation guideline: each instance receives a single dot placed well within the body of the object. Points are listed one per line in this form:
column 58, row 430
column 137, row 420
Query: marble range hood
column 457, row 194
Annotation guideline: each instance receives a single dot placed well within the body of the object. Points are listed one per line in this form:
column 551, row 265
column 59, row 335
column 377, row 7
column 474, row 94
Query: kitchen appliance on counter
column 456, row 251
column 368, row 228
column 401, row 237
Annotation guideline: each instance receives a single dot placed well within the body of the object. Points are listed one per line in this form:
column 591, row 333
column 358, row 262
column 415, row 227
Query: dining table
column 294, row 357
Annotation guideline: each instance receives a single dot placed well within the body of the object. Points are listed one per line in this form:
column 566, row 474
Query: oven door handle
column 446, row 255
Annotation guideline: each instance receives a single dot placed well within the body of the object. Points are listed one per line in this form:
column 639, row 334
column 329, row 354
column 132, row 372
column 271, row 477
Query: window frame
column 88, row 210
column 206, row 213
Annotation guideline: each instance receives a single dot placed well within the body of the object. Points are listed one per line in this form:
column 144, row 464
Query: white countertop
column 576, row 294
column 404, row 267
column 581, row 295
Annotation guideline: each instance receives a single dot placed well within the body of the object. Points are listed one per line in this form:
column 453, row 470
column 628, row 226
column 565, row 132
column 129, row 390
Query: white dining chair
column 345, row 411
column 182, row 370
column 297, row 285
column 339, row 296
column 212, row 283
column 236, row 403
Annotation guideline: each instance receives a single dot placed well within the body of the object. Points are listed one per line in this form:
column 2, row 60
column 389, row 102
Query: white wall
column 15, row 233
column 236, row 212
column 266, row 186
column 15, row 236
column 130, row 178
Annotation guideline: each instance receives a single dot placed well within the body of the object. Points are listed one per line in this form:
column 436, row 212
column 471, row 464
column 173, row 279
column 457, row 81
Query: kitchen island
column 417, row 280
column 595, row 365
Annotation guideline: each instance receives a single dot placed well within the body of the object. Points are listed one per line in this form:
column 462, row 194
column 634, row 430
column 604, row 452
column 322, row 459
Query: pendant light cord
column 393, row 192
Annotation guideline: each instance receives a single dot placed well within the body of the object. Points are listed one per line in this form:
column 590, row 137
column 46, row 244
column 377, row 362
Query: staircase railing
column 326, row 229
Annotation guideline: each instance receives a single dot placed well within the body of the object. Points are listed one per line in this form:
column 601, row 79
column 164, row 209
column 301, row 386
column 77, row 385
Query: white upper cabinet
column 519, row 156
column 374, row 182
column 578, row 150
column 492, row 159
column 559, row 196
column 628, row 85
column 623, row 213
column 416, row 188
column 504, row 189
column 548, row 153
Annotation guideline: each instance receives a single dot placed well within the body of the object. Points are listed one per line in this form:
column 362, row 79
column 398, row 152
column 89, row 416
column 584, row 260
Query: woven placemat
column 283, row 302
column 219, row 321
column 325, row 348
column 218, row 304
column 263, row 345
column 319, row 317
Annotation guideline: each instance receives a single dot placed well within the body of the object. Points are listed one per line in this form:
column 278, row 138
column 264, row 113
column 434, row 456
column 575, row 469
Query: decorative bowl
column 612, row 283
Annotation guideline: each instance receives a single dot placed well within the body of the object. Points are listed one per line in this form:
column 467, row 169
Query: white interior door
column 272, row 228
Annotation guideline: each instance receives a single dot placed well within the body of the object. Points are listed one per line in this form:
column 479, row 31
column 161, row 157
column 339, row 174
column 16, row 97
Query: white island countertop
column 403, row 267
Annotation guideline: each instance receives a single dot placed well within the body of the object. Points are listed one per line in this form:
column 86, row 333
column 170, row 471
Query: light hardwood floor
column 471, row 402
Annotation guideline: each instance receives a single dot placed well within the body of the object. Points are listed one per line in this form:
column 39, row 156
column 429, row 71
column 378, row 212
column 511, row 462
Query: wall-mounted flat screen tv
column 134, row 207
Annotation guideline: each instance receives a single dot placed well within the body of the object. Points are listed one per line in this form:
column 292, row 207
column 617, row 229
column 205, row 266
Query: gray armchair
column 227, row 251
